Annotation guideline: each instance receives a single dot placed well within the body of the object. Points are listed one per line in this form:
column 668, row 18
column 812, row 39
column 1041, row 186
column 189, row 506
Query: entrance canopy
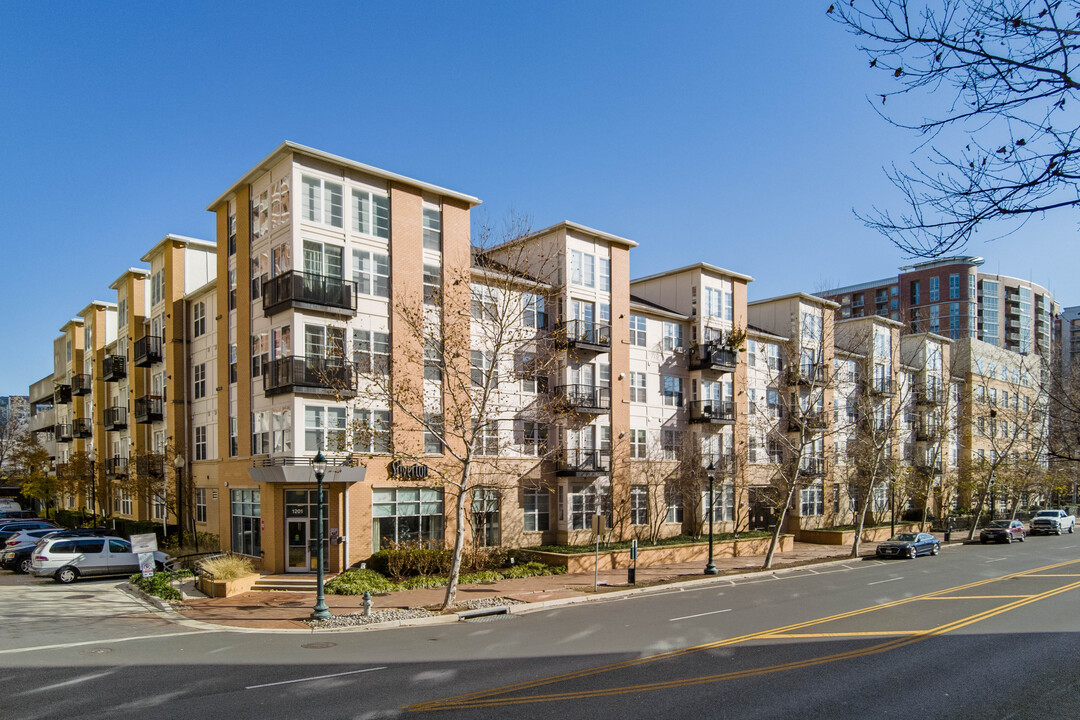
column 292, row 474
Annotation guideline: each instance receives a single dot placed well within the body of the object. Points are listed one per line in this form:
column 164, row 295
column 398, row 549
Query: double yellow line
column 490, row 697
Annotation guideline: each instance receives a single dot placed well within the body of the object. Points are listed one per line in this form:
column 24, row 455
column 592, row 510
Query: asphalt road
column 979, row 631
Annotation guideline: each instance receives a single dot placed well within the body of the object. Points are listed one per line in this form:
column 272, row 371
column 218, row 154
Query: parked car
column 1052, row 521
column 7, row 529
column 909, row 545
column 18, row 515
column 16, row 553
column 65, row 559
column 29, row 535
column 1003, row 531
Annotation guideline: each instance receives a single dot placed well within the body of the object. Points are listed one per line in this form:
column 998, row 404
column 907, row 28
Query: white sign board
column 146, row 563
column 144, row 543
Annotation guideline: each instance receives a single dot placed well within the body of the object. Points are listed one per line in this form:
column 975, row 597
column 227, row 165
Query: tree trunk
column 779, row 526
column 459, row 537
column 980, row 506
column 855, row 546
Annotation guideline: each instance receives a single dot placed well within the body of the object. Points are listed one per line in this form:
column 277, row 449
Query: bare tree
column 1000, row 72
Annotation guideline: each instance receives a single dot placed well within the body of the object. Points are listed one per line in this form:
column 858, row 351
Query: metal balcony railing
column 584, row 335
column 320, row 376
column 82, row 428
column 807, row 374
column 81, row 384
column 114, row 368
column 294, row 288
column 713, row 412
column 62, row 394
column 148, row 409
column 811, row 419
column 581, row 462
column 880, row 386
column 812, row 466
column 116, row 466
column 147, row 351
column 115, row 418
column 709, row 356
column 929, row 394
column 583, row 398
column 62, row 432
column 150, row 465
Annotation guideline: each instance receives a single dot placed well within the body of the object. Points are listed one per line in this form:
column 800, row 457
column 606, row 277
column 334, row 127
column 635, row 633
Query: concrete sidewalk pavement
column 289, row 610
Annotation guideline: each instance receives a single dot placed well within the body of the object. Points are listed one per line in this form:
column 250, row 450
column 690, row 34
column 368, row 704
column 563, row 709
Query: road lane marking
column 68, row 683
column 885, row 581
column 317, row 677
column 997, row 559
column 487, row 698
column 978, row 597
column 1055, row 575
column 871, row 633
column 107, row 641
column 687, row 617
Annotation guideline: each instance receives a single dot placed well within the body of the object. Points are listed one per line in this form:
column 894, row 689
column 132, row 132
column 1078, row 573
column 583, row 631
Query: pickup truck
column 1052, row 521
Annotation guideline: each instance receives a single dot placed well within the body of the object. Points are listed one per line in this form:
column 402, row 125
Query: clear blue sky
column 734, row 133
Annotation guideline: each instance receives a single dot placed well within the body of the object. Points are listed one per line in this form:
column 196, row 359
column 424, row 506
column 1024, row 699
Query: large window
column 485, row 517
column 638, row 389
column 534, row 438
column 537, row 505
column 260, row 433
column 200, row 442
column 639, row 505
column 371, row 351
column 582, row 269
column 605, row 274
column 584, row 500
column 323, row 201
column 673, row 392
column 370, row 214
column 200, row 505
column 406, row 515
column 198, row 381
column 371, row 431
column 323, row 259
column 432, row 228
column 673, row 339
column 954, row 286
column 811, row 501
column 324, row 428
column 246, row 520
column 432, row 284
column 637, row 330
column 723, row 504
column 935, row 289
column 198, row 322
column 371, row 273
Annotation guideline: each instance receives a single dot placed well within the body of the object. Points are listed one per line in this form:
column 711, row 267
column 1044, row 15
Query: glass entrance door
column 297, row 551
column 301, row 513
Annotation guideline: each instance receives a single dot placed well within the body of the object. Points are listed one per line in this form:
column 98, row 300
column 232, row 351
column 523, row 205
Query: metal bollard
column 367, row 604
column 631, row 572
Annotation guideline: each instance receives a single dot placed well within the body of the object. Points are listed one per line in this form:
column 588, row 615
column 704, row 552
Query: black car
column 909, row 545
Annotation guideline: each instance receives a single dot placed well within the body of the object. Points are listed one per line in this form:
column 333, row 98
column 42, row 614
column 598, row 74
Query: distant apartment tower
column 1068, row 331
column 949, row 296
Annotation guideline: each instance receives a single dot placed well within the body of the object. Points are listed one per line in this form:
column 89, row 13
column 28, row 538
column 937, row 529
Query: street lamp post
column 92, row 457
column 178, row 463
column 710, row 568
column 320, row 611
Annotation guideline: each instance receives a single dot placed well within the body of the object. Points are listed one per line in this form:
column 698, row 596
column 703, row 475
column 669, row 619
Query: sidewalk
column 288, row 610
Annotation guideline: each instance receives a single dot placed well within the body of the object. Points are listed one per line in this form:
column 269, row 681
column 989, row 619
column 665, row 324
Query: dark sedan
column 909, row 545
column 1004, row 531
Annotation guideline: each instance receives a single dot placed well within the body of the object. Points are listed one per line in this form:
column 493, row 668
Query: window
column 487, row 439
column 935, row 318
column 370, row 214
column 637, row 387
column 433, row 228
column 200, row 505
column 485, row 517
column 534, row 315
column 433, row 433
column 751, row 353
column 772, row 399
column 324, row 428
column 232, row 288
column 234, row 447
column 371, row 351
column 432, row 284
column 371, row 273
column 715, row 302
column 482, row 371
column 432, row 360
column 811, row 501
column 639, row 505
column 935, row 289
column 914, row 292
column 533, row 379
column 157, row 288
column 323, row 201
column 954, row 286
column 537, row 506
column 200, row 442
column 260, row 433
column 125, row 502
column 260, row 354
column 406, row 515
column 371, row 431
column 584, row 501
column 534, row 438
column 672, row 391
column 582, row 269
column 605, row 274
column 674, row 501
column 673, row 339
column 198, row 321
column 638, row 445
column 637, row 330
column 671, row 441
column 723, row 509
column 198, row 381
column 282, row 431
column 483, row 305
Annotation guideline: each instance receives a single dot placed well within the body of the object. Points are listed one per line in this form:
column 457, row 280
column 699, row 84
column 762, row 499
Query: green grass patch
column 357, row 582
column 160, row 583
column 644, row 544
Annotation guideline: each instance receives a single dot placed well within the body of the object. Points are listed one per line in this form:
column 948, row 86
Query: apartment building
column 1067, row 330
column 361, row 322
column 951, row 297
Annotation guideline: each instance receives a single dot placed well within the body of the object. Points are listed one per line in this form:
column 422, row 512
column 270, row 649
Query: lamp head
column 318, row 463
column 179, row 462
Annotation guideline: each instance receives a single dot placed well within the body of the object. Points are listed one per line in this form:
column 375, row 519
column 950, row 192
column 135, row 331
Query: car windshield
column 1000, row 524
column 905, row 537
column 1047, row 513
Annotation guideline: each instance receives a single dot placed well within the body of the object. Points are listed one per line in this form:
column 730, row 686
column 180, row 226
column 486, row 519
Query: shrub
column 357, row 582
column 160, row 584
column 227, row 567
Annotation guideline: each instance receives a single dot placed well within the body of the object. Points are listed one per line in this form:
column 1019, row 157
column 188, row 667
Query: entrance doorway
column 762, row 510
column 301, row 513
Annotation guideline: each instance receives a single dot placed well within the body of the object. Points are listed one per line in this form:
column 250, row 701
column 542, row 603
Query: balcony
column 810, row 419
column 812, row 466
column 114, row 368
column 709, row 356
column 147, row 351
column 115, row 418
column 116, row 466
column 583, row 398
column 149, row 409
column 929, row 395
column 582, row 335
column 929, row 468
column 583, row 463
column 807, row 374
column 81, row 384
column 723, row 463
column 712, row 412
column 62, row 394
column 62, row 431
column 62, row 469
column 315, row 376
column 881, row 386
column 296, row 289
column 82, row 428
column 927, row 432
column 150, row 465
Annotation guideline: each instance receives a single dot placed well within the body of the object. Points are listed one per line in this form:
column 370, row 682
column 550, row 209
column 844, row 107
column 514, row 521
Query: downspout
column 188, row 457
column 345, row 528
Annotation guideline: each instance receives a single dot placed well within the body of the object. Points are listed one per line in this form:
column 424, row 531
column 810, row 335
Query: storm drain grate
column 488, row 618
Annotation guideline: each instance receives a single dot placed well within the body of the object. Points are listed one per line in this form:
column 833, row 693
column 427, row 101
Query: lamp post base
column 710, row 569
column 321, row 612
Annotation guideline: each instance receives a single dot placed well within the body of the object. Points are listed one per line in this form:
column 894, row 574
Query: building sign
column 146, row 543
column 410, row 472
column 296, row 510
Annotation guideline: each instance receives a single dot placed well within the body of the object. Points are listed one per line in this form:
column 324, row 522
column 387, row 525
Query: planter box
column 227, row 588
column 665, row 555
column 847, row 537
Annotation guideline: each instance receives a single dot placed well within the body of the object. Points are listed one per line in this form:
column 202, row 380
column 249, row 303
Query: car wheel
column 1071, row 529
column 913, row 553
column 1008, row 539
column 23, row 566
column 1023, row 537
column 935, row 550
column 66, row 575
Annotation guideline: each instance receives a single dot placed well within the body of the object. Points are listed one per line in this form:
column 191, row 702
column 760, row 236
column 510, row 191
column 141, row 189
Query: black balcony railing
column 927, row 432
column 150, row 465
column 807, row 374
column 80, row 384
column 584, row 335
column 114, row 368
column 810, row 419
column 146, row 351
column 116, row 466
column 115, row 418
column 82, row 428
column 583, row 462
column 62, row 394
column 62, row 431
column 711, row 411
column 148, row 409
column 723, row 464
column 881, row 386
column 583, row 398
column 320, row 376
column 929, row 394
column 709, row 356
column 812, row 466
column 302, row 289
column 928, row 468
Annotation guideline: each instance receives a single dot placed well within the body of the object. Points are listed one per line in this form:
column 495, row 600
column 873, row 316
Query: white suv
column 67, row 558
